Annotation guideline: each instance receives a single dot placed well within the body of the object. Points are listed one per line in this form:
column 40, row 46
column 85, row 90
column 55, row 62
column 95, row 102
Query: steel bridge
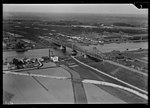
column 95, row 53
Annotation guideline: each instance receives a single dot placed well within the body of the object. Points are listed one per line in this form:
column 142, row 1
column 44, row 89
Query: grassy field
column 35, row 20
column 133, row 19
column 123, row 74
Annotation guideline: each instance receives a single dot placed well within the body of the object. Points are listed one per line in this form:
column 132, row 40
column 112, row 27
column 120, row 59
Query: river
column 121, row 47
column 103, row 48
column 33, row 53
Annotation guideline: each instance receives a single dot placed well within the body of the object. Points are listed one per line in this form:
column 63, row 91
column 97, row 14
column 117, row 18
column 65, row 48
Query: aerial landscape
column 75, row 54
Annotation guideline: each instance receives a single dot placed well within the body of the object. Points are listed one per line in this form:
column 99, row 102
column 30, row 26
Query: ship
column 74, row 52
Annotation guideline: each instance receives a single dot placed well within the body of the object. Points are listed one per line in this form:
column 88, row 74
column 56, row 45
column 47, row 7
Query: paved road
column 79, row 92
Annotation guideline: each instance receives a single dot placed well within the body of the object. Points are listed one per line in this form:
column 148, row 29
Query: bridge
column 95, row 53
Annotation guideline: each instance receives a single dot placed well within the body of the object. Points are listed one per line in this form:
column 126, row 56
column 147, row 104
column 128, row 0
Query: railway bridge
column 95, row 53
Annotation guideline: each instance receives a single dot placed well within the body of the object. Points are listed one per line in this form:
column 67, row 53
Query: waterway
column 116, row 46
column 103, row 48
column 33, row 53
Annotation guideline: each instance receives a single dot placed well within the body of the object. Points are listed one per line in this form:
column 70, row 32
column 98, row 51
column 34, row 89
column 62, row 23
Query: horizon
column 8, row 14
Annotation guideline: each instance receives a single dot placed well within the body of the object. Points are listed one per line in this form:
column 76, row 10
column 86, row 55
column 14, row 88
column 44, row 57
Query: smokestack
column 49, row 54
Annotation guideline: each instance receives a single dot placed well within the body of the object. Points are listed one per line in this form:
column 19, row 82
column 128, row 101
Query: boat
column 74, row 52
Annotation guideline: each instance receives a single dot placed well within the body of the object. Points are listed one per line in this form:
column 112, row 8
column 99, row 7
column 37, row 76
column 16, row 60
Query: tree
column 15, row 61
column 20, row 45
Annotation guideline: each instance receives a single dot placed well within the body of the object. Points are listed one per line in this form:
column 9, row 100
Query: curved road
column 78, row 88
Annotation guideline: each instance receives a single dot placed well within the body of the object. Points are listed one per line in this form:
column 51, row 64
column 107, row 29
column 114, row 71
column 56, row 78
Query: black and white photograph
column 74, row 54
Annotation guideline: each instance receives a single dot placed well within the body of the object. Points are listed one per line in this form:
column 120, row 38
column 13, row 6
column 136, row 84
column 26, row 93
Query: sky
column 75, row 8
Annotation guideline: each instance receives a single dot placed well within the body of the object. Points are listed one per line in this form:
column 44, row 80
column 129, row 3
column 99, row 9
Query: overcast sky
column 75, row 8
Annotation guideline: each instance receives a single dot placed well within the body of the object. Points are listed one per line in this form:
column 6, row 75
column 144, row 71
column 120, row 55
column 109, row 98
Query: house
column 54, row 59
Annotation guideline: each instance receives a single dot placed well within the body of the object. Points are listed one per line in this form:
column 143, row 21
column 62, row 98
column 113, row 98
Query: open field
column 87, row 73
column 83, row 18
column 35, row 24
column 30, row 90
column 121, row 73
